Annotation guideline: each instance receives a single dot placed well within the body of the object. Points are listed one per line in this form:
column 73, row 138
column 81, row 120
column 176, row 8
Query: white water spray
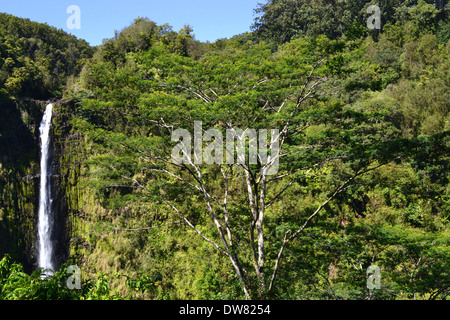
column 45, row 217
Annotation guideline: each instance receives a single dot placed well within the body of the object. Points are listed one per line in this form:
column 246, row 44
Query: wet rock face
column 66, row 164
column 19, row 180
column 60, row 234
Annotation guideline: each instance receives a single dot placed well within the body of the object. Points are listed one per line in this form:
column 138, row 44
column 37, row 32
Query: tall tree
column 249, row 89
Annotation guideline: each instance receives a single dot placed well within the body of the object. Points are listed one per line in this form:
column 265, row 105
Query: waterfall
column 45, row 217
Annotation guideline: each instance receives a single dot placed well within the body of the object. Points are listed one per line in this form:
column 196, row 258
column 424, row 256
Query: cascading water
column 45, row 217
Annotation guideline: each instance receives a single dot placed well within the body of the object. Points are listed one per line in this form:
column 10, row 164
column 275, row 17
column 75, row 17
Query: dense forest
column 361, row 118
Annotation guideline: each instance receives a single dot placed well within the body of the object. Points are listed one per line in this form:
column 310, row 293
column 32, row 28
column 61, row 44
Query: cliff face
column 67, row 159
column 19, row 183
column 19, row 179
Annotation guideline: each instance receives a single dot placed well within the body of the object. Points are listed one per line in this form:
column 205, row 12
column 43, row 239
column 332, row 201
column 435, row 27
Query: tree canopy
column 36, row 60
column 283, row 20
column 361, row 120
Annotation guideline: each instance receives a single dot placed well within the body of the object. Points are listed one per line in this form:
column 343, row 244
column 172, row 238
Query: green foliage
column 142, row 35
column 17, row 285
column 36, row 60
column 365, row 123
column 283, row 20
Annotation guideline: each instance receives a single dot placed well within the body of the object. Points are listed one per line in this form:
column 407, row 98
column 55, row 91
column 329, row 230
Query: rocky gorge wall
column 19, row 179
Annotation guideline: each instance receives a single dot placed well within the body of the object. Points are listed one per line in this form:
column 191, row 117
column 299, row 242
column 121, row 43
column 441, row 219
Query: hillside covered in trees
column 360, row 118
column 36, row 59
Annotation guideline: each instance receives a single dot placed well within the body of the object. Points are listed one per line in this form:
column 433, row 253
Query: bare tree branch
column 148, row 228
column 292, row 236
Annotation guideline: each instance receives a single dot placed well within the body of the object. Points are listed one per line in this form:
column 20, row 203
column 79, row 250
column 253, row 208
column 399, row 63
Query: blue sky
column 210, row 19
